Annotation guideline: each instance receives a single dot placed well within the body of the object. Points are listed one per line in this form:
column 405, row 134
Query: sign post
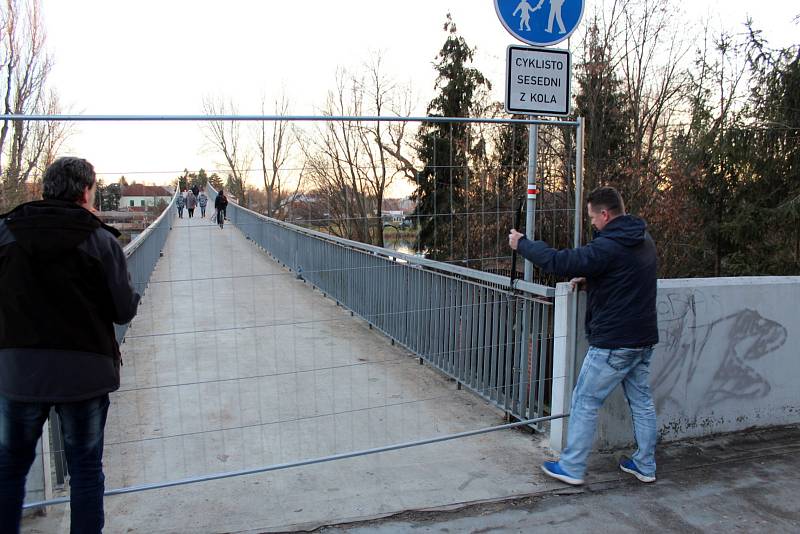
column 537, row 79
column 537, row 83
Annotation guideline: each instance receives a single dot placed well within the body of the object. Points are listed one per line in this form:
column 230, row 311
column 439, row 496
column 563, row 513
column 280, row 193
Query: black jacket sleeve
column 123, row 294
column 589, row 260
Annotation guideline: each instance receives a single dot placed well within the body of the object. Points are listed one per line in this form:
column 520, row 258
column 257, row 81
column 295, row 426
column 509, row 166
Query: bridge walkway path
column 234, row 363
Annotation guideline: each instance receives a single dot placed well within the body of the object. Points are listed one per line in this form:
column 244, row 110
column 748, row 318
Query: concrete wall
column 728, row 359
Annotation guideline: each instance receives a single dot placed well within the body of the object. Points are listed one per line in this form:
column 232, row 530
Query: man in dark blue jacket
column 618, row 268
column 64, row 282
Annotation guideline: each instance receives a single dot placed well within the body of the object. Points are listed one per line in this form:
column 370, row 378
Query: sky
column 165, row 56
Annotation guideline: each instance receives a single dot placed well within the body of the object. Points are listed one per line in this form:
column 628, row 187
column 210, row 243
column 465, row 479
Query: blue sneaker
column 627, row 465
column 553, row 470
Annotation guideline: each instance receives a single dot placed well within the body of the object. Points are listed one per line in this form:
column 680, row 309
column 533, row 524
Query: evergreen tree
column 501, row 190
column 110, row 197
column 445, row 149
column 201, row 179
column 603, row 104
column 710, row 157
column 741, row 168
column 215, row 181
column 764, row 230
column 183, row 181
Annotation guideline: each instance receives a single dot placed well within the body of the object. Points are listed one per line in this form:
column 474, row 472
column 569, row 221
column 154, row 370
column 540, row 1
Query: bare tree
column 25, row 147
column 274, row 150
column 655, row 80
column 225, row 136
column 333, row 157
column 46, row 140
column 382, row 95
column 387, row 96
column 348, row 163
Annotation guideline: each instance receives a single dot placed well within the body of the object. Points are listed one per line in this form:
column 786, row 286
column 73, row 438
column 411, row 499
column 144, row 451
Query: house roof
column 141, row 190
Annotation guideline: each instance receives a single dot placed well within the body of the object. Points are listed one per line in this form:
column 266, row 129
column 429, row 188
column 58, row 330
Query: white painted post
column 569, row 349
column 563, row 358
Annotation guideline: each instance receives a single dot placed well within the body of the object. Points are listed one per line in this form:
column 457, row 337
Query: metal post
column 530, row 206
column 578, row 183
column 579, row 131
column 57, row 447
column 530, row 222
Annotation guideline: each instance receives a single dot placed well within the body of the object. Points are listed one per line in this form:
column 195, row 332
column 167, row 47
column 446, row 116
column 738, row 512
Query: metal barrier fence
column 468, row 324
column 494, row 339
column 142, row 254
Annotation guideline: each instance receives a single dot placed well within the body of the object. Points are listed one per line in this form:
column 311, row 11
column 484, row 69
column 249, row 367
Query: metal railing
column 142, row 254
column 144, row 251
column 493, row 339
column 468, row 324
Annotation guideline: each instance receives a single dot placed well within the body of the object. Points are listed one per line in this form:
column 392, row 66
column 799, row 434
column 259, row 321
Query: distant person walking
column 191, row 203
column 64, row 282
column 202, row 201
column 180, row 203
column 221, row 205
column 618, row 267
column 195, row 190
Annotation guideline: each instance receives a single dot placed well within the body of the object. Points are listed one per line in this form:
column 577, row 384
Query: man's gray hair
column 67, row 178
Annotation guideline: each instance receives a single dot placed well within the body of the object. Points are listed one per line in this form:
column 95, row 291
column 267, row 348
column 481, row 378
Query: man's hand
column 578, row 283
column 513, row 239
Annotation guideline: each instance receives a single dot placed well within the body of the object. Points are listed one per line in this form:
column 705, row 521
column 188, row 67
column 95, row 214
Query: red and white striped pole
column 533, row 190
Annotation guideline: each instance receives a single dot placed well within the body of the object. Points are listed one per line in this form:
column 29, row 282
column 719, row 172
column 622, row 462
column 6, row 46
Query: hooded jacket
column 64, row 282
column 620, row 266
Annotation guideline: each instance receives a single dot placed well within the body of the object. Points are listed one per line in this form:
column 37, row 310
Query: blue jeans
column 82, row 424
column 602, row 371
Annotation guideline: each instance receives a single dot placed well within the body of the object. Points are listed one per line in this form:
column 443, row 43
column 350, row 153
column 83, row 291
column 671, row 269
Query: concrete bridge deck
column 234, row 363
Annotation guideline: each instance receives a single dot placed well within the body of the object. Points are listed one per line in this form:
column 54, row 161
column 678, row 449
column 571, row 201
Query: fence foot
column 421, row 361
column 458, row 386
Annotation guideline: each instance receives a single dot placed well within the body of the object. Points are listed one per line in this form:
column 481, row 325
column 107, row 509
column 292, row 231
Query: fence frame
column 455, row 318
column 456, row 343
column 142, row 254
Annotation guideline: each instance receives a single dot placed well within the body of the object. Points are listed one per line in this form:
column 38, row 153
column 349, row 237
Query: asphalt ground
column 742, row 482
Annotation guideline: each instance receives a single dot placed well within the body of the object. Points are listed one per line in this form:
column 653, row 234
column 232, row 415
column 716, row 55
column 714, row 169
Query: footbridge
column 280, row 378
column 275, row 376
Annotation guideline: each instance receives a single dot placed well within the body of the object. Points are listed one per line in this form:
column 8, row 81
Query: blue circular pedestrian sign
column 540, row 22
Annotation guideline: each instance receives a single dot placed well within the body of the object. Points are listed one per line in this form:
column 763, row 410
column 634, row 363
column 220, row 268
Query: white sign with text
column 538, row 81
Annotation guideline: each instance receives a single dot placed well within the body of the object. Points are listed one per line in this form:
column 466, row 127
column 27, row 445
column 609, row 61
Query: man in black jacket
column 64, row 282
column 618, row 267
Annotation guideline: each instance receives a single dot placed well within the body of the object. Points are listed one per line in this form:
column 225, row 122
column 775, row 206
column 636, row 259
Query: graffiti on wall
column 707, row 360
